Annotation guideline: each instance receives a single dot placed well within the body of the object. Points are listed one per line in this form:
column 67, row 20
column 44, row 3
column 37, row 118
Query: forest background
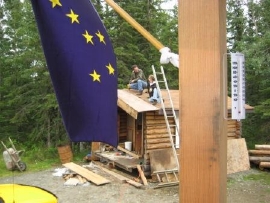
column 29, row 112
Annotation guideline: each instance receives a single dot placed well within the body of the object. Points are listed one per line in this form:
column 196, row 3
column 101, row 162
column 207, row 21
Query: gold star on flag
column 101, row 37
column 111, row 69
column 96, row 77
column 73, row 16
column 88, row 37
column 55, row 3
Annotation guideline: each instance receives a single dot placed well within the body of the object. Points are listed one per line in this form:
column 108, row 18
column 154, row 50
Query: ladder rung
column 172, row 125
column 158, row 177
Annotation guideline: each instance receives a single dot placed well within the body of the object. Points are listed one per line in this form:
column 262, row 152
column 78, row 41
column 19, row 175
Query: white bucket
column 128, row 145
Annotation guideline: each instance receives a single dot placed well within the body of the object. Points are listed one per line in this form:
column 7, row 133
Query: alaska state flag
column 82, row 66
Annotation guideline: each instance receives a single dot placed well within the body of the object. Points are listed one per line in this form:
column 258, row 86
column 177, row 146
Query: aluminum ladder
column 167, row 96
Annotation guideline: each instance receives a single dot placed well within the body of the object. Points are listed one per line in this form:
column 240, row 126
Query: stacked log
column 234, row 129
column 155, row 131
column 156, row 136
column 261, row 156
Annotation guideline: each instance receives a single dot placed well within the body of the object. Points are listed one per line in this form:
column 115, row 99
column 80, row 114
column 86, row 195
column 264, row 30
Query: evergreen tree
column 28, row 103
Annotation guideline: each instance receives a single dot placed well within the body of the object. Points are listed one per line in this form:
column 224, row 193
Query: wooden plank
column 142, row 175
column 128, row 152
column 116, row 175
column 132, row 182
column 89, row 175
column 133, row 104
column 202, row 46
column 131, row 111
column 95, row 146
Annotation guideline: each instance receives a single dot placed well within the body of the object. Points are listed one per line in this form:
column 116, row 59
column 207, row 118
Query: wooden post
column 202, row 44
column 95, row 146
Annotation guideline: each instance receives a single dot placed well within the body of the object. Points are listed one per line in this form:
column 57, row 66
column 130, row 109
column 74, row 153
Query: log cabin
column 143, row 125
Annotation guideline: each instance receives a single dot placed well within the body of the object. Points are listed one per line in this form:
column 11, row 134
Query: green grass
column 230, row 182
column 263, row 177
column 39, row 159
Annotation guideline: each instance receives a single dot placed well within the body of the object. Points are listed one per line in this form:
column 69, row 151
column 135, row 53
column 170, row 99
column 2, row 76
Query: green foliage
column 40, row 158
column 249, row 33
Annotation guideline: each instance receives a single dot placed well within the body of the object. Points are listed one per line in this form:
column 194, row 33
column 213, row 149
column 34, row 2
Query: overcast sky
column 169, row 4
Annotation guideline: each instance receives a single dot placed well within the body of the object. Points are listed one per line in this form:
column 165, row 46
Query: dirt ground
column 239, row 190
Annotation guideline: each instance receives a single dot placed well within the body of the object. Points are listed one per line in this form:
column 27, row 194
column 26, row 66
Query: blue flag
column 82, row 66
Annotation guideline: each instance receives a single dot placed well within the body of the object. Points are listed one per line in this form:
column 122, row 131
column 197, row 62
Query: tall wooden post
column 202, row 44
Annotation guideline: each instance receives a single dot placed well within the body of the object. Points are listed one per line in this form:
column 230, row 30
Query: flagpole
column 158, row 45
column 166, row 54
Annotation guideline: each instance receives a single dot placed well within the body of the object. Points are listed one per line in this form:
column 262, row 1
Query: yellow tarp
column 25, row 194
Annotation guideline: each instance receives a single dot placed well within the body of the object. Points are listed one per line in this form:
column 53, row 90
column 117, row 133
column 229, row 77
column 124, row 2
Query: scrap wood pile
column 260, row 156
column 78, row 175
column 74, row 179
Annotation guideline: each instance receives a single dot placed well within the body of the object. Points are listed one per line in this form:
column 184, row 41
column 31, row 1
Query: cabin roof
column 134, row 104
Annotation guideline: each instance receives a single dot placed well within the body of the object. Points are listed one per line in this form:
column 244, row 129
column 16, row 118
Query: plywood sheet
column 162, row 159
column 237, row 156
column 89, row 175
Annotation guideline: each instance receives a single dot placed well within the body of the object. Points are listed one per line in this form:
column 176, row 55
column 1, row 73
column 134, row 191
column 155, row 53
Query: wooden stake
column 142, row 175
column 202, row 45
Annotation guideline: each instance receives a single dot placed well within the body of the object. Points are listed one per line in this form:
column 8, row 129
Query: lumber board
column 95, row 146
column 127, row 108
column 132, row 182
column 142, row 175
column 89, row 175
column 116, row 175
column 128, row 152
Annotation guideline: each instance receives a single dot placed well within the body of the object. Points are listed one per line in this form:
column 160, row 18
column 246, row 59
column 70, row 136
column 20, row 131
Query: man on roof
column 137, row 80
